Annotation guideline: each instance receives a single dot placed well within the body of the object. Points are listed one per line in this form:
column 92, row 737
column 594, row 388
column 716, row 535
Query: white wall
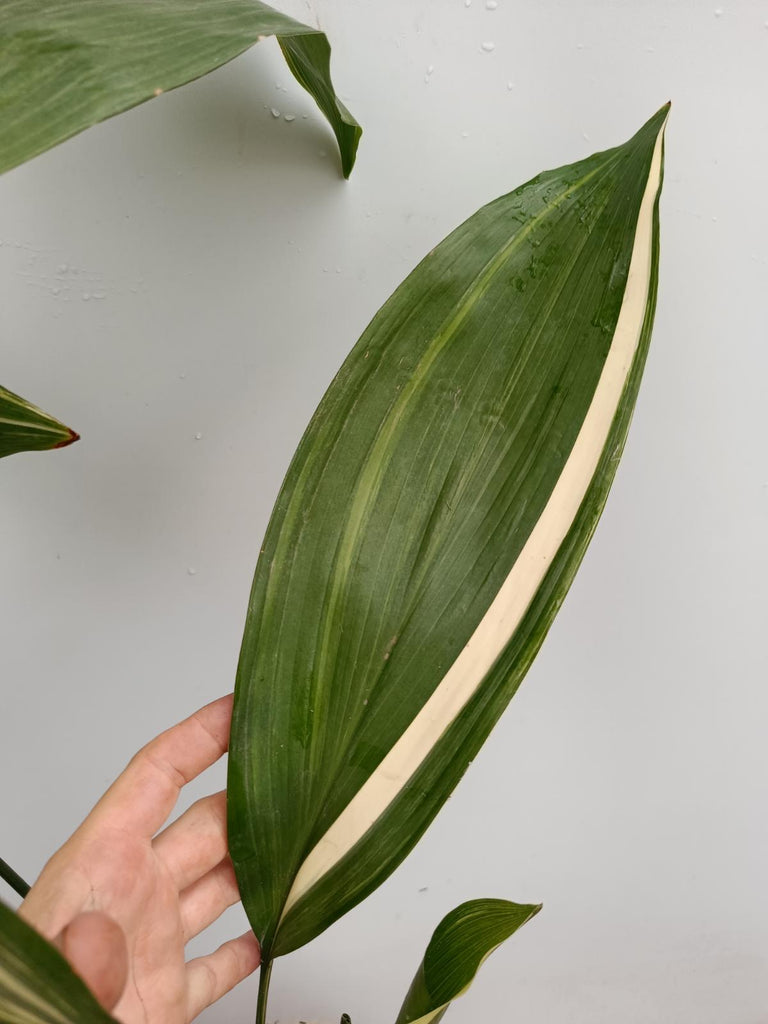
column 234, row 269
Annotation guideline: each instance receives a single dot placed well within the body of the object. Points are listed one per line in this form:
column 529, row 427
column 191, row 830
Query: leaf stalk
column 265, row 974
column 15, row 881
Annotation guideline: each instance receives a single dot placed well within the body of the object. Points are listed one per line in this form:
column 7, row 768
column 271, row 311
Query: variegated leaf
column 37, row 985
column 67, row 64
column 25, row 428
column 428, row 530
column 461, row 943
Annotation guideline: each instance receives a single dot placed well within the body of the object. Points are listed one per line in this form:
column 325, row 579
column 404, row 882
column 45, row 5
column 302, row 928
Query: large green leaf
column 67, row 64
column 25, row 428
column 37, row 985
column 462, row 941
column 428, row 530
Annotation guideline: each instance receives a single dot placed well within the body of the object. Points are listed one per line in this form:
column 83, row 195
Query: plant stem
column 265, row 974
column 15, row 881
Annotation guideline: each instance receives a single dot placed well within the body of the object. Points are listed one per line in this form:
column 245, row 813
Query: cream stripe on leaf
column 37, row 985
column 25, row 428
column 460, row 945
column 68, row 64
column 429, row 527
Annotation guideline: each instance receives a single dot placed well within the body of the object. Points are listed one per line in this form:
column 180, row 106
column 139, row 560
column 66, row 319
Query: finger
column 144, row 795
column 211, row 977
column 196, row 841
column 205, row 901
column 96, row 948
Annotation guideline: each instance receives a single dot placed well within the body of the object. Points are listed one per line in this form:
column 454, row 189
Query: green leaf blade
column 67, row 64
column 429, row 527
column 308, row 56
column 461, row 943
column 25, row 428
column 37, row 985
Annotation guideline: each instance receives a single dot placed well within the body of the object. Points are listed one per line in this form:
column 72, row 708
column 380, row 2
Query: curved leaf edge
column 307, row 52
column 459, row 946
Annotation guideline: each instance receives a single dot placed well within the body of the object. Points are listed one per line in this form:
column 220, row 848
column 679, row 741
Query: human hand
column 122, row 899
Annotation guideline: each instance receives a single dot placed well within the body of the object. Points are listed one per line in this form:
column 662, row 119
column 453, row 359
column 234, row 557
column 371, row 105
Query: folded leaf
column 67, row 64
column 25, row 428
column 37, row 985
column 428, row 530
column 462, row 941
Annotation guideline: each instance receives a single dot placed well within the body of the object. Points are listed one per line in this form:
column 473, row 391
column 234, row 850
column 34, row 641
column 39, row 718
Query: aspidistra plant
column 461, row 943
column 428, row 529
column 25, row 428
column 67, row 64
column 37, row 985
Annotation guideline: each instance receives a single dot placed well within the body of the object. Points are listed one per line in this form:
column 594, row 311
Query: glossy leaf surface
column 458, row 947
column 67, row 64
column 429, row 527
column 25, row 428
column 37, row 985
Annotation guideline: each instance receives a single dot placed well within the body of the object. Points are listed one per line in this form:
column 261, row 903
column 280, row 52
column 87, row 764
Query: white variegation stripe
column 29, row 424
column 27, row 1005
column 432, row 1015
column 498, row 625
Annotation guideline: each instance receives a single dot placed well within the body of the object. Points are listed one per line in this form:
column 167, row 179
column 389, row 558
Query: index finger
column 140, row 800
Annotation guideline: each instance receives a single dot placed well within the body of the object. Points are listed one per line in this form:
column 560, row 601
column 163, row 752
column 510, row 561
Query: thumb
column 96, row 948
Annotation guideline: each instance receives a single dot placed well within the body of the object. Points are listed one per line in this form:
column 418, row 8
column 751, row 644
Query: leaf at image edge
column 37, row 985
column 66, row 65
column 25, row 428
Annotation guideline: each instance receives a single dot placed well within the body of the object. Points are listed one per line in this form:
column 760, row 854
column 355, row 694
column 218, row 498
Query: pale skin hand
column 122, row 898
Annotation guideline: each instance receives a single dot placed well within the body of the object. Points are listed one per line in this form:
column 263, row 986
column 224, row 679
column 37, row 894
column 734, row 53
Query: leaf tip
column 71, row 437
column 349, row 151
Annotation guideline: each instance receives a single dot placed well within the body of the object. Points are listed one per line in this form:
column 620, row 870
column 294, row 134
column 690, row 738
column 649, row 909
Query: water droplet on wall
column 488, row 47
column 275, row 113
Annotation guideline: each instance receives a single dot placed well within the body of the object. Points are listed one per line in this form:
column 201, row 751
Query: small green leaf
column 68, row 64
column 458, row 947
column 429, row 527
column 345, row 1019
column 37, row 985
column 25, row 428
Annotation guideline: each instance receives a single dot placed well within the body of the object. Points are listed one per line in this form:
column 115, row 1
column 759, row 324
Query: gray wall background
column 198, row 267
